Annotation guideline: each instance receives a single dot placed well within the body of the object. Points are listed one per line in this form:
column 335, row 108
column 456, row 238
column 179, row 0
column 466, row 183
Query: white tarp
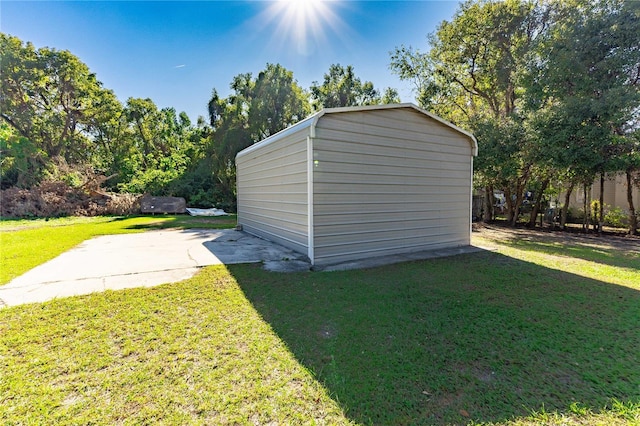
column 206, row 212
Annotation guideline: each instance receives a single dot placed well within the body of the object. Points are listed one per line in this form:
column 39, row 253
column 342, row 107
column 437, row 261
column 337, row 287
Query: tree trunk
column 586, row 222
column 536, row 206
column 510, row 206
column 633, row 220
column 565, row 207
column 516, row 206
column 488, row 210
column 587, row 209
column 601, row 207
column 521, row 185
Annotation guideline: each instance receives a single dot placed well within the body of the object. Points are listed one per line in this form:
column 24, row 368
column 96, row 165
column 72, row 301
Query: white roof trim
column 312, row 120
column 281, row 134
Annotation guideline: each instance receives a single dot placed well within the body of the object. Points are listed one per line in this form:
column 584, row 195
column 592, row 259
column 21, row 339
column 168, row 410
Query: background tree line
column 550, row 89
column 60, row 124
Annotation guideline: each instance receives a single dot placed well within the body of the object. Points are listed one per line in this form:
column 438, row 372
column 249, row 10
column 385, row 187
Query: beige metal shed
column 360, row 182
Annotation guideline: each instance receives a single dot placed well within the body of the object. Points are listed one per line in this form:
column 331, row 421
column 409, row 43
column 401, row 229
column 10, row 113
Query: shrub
column 615, row 216
column 575, row 215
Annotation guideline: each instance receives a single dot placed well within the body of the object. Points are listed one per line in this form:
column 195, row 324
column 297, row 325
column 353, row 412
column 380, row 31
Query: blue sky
column 176, row 52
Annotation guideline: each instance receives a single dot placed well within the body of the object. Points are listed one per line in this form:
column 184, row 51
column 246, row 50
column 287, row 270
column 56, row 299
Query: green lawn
column 531, row 332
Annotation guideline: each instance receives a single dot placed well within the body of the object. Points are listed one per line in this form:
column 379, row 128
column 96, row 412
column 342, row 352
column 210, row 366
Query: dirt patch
column 605, row 241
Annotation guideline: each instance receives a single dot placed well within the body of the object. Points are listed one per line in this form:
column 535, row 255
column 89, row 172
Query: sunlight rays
column 301, row 24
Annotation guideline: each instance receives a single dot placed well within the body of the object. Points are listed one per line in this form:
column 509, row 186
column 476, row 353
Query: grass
column 25, row 244
column 194, row 353
column 531, row 332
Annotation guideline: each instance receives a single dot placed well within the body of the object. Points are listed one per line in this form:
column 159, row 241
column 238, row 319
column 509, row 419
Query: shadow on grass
column 188, row 222
column 609, row 250
column 480, row 337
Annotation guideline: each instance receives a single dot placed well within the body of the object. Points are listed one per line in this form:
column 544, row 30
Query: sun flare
column 302, row 24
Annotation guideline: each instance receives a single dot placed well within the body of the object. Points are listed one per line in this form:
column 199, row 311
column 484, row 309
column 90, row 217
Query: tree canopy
column 59, row 123
column 341, row 88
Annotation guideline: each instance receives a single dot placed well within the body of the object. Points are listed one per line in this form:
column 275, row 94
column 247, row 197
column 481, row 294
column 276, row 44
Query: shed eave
column 300, row 125
column 312, row 120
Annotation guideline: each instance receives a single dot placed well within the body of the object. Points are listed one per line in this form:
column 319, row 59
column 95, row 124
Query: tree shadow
column 479, row 337
column 609, row 250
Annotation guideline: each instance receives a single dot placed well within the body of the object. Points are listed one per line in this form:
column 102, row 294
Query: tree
column 256, row 109
column 162, row 146
column 20, row 159
column 50, row 98
column 276, row 102
column 507, row 161
column 475, row 61
column 630, row 160
column 390, row 96
column 585, row 75
column 59, row 123
column 341, row 88
column 567, row 72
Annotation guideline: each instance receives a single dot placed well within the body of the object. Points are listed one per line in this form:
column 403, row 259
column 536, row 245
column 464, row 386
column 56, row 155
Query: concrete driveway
column 116, row 262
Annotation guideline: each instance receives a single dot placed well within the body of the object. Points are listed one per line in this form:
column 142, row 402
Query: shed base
column 397, row 258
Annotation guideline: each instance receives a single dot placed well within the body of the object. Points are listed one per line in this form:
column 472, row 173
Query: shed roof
column 312, row 120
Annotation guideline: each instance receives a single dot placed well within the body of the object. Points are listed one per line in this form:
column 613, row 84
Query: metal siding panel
column 390, row 238
column 388, row 182
column 375, row 127
column 402, row 139
column 378, row 200
column 278, row 235
column 352, row 153
column 272, row 191
column 365, row 212
column 385, row 248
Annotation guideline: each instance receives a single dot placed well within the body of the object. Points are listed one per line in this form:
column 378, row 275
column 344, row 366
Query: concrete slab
column 115, row 262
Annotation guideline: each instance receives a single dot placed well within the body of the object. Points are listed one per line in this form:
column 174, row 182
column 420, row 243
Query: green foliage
column 21, row 162
column 59, row 124
column 390, row 96
column 276, row 101
column 615, row 216
column 584, row 77
column 506, row 160
column 51, row 98
column 341, row 88
column 475, row 61
column 472, row 76
column 575, row 215
column 162, row 146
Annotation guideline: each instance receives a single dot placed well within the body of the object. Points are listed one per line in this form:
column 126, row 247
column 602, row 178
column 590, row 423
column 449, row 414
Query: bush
column 575, row 215
column 616, row 217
